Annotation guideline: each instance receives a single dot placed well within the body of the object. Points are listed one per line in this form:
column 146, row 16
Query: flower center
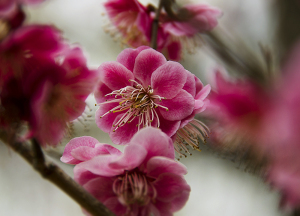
column 134, row 188
column 4, row 29
column 136, row 101
column 190, row 135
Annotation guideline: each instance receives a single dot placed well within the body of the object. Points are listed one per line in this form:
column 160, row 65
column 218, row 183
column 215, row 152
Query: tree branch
column 155, row 26
column 50, row 171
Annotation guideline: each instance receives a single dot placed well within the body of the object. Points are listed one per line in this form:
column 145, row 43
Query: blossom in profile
column 131, row 19
column 43, row 82
column 143, row 89
column 185, row 27
column 144, row 180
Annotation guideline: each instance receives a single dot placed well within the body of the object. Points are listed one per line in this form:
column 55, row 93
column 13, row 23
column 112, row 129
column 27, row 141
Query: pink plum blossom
column 131, row 19
column 144, row 180
column 143, row 89
column 283, row 134
column 240, row 105
column 43, row 82
column 184, row 30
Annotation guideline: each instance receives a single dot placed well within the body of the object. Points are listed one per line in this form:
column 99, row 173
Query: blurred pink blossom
column 143, row 89
column 130, row 18
column 43, row 82
column 144, row 180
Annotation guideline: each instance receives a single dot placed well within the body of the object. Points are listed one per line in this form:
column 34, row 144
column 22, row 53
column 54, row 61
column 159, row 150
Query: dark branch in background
column 237, row 56
column 35, row 157
column 288, row 31
column 155, row 24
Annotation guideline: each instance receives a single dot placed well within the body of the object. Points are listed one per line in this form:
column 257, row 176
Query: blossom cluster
column 43, row 81
column 176, row 30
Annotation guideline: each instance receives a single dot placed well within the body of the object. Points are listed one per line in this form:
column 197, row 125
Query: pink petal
column 203, row 93
column 198, row 84
column 168, row 79
column 170, row 186
column 115, row 75
column 190, row 85
column 133, row 156
column 124, row 133
column 82, row 175
column 108, row 148
column 159, row 165
column 174, row 50
column 155, row 142
column 101, row 188
column 127, row 56
column 179, row 107
column 168, row 127
column 146, row 63
column 101, row 91
column 105, row 123
column 99, row 165
column 180, row 201
column 115, row 206
column 77, row 142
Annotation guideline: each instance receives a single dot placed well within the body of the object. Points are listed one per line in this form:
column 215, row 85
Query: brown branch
column 35, row 157
column 155, row 24
column 288, row 32
column 236, row 55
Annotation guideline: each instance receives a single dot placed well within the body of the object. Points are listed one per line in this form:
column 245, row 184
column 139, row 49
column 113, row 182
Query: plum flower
column 43, row 82
column 143, row 89
column 144, row 180
column 184, row 28
column 131, row 20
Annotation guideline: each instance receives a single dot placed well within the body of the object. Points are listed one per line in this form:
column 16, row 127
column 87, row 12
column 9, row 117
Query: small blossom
column 184, row 29
column 143, row 89
column 144, row 180
column 131, row 19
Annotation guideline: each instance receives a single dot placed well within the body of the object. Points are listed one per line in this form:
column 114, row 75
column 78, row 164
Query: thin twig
column 288, row 31
column 50, row 171
column 155, row 26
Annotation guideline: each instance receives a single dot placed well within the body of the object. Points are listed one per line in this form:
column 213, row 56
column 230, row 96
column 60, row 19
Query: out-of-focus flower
column 131, row 19
column 11, row 13
column 43, row 82
column 143, row 89
column 134, row 22
column 283, row 134
column 144, row 180
column 240, row 105
column 184, row 29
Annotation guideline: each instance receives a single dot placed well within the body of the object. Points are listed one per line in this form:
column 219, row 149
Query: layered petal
column 179, row 107
column 168, row 79
column 115, row 75
column 146, row 63
column 159, row 165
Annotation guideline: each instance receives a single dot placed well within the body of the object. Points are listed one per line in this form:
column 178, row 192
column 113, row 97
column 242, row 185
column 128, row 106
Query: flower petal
column 179, row 107
column 155, row 142
column 105, row 123
column 101, row 188
column 190, row 85
column 174, row 50
column 168, row 127
column 168, row 79
column 98, row 165
column 115, row 75
column 146, row 63
column 127, row 56
column 159, row 165
column 101, row 91
column 115, row 206
column 123, row 134
column 170, row 186
column 133, row 156
column 84, row 141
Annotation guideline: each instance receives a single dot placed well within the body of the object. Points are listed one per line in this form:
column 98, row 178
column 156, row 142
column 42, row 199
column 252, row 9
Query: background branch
column 50, row 171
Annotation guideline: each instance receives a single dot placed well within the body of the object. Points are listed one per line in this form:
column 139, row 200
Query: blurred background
column 219, row 186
